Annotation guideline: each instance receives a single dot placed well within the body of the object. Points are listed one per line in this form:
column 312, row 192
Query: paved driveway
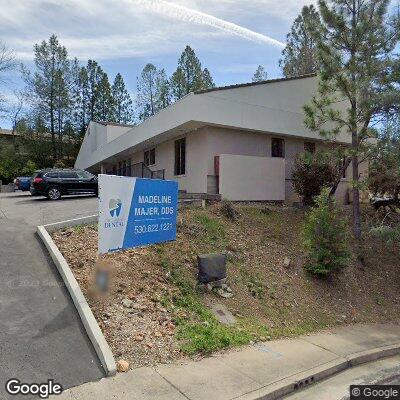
column 41, row 336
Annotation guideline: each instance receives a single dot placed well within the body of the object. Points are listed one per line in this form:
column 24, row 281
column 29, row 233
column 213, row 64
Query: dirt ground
column 140, row 312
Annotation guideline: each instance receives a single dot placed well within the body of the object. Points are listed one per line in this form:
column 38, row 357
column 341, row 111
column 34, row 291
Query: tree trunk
column 340, row 175
column 356, row 200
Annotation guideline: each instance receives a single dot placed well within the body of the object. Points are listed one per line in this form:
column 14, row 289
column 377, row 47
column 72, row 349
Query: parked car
column 53, row 183
column 22, row 183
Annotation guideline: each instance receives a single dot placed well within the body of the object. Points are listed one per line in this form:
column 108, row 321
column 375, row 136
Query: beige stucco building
column 238, row 141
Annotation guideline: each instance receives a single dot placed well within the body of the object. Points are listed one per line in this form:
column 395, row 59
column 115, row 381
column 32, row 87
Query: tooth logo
column 115, row 206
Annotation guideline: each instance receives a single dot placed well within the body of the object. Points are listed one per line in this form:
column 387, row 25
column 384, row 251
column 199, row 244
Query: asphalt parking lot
column 41, row 335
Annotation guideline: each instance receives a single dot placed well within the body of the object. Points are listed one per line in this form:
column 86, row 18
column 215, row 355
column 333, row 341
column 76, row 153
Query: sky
column 230, row 37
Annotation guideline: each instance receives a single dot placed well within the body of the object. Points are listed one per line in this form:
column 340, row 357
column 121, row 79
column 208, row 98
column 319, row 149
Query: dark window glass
column 68, row 175
column 180, row 157
column 309, row 147
column 277, row 148
column 84, row 175
column 150, row 157
column 52, row 175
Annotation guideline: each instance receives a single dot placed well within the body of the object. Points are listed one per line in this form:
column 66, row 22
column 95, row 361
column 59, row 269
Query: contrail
column 189, row 15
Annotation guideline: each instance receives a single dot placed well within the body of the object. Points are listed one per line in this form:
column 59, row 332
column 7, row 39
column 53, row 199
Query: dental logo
column 115, row 206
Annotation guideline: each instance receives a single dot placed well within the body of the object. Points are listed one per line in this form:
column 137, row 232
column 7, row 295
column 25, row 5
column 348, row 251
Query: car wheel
column 54, row 194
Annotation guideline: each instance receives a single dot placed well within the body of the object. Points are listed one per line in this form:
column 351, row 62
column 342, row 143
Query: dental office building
column 238, row 141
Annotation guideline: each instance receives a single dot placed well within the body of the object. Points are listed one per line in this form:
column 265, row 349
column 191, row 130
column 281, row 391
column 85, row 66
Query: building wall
column 205, row 143
column 244, row 178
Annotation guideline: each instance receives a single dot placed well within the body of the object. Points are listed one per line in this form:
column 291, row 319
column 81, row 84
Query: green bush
column 325, row 237
column 311, row 172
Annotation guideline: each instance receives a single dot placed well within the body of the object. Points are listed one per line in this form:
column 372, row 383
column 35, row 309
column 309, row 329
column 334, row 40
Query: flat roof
column 241, row 85
column 105, row 123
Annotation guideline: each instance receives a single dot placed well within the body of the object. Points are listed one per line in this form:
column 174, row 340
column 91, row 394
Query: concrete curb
column 71, row 223
column 303, row 379
column 89, row 322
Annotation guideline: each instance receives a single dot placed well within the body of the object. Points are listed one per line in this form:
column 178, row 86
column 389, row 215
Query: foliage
column 50, row 88
column 207, row 79
column 13, row 165
column 325, row 237
column 300, row 53
column 215, row 230
column 357, row 69
column 389, row 234
column 311, row 172
column 197, row 328
column 260, row 74
column 384, row 169
column 189, row 76
column 153, row 91
column 123, row 113
column 229, row 211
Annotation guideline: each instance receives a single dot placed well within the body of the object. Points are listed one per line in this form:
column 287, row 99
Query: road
column 384, row 372
column 41, row 335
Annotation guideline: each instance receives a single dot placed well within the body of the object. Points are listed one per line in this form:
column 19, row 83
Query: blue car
column 23, row 183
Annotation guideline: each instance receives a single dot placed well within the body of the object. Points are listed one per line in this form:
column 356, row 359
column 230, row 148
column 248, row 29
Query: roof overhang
column 191, row 113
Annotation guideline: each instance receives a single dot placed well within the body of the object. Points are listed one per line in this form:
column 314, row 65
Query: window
column 150, row 157
column 68, row 175
column 180, row 157
column 309, row 147
column 277, row 148
column 84, row 175
column 129, row 168
column 51, row 175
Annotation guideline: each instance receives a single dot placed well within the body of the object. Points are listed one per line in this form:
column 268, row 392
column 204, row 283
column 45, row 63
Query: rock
column 138, row 338
column 122, row 366
column 127, row 303
column 286, row 262
column 224, row 294
column 150, row 345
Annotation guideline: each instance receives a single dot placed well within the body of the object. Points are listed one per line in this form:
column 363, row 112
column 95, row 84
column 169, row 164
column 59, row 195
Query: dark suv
column 53, row 183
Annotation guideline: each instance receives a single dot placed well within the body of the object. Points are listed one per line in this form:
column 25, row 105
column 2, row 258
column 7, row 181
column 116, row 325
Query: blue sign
column 135, row 212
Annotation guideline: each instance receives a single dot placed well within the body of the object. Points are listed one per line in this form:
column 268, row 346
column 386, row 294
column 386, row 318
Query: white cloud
column 109, row 29
column 186, row 14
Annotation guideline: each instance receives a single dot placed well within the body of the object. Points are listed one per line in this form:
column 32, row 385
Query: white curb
column 92, row 328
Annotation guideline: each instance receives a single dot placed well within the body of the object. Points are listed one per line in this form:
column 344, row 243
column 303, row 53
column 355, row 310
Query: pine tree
column 191, row 67
column 207, row 80
column 81, row 113
column 147, row 92
column 357, row 70
column 178, row 84
column 94, row 77
column 189, row 76
column 123, row 112
column 299, row 55
column 260, row 74
column 163, row 94
column 49, row 86
column 105, row 102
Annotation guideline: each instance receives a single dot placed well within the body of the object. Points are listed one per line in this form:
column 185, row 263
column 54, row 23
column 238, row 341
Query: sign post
column 135, row 212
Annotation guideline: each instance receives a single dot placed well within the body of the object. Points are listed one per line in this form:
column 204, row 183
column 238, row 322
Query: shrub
column 325, row 237
column 229, row 211
column 311, row 172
